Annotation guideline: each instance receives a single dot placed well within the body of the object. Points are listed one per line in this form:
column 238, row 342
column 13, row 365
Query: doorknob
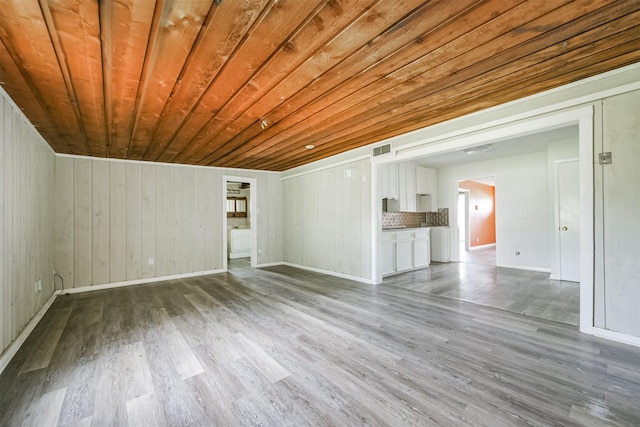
column 565, row 228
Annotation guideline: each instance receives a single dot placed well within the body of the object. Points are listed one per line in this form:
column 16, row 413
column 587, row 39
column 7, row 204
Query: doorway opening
column 477, row 221
column 239, row 221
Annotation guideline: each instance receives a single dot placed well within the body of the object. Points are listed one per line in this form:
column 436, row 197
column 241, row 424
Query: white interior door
column 569, row 215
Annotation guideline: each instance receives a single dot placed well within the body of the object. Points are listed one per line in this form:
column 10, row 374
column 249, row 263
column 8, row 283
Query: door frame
column 467, row 226
column 253, row 211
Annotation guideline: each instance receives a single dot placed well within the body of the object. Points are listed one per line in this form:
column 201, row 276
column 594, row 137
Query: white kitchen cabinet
column 421, row 248
column 388, row 181
column 406, row 201
column 387, row 254
column 426, row 180
column 404, row 250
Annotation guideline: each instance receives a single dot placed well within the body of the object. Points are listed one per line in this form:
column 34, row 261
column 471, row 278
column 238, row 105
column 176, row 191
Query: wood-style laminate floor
column 281, row 346
column 478, row 280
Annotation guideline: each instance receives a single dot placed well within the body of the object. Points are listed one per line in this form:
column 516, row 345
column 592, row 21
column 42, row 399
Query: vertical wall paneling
column 82, row 227
column 26, row 227
column 200, row 191
column 18, row 227
column 5, row 229
column 148, row 218
column 327, row 219
column 64, row 219
column 175, row 221
column 188, row 219
column 365, row 212
column 118, row 218
column 163, row 205
column 100, row 241
column 213, row 216
column 9, row 143
column 133, row 220
column 113, row 217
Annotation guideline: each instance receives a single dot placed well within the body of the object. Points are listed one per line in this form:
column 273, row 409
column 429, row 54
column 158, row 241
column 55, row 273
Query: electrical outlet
column 259, row 251
column 150, row 261
column 517, row 250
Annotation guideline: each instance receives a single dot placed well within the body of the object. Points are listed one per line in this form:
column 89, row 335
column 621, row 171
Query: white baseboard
column 488, row 245
column 15, row 345
column 269, row 264
column 138, row 282
column 616, row 336
column 523, row 267
column 330, row 273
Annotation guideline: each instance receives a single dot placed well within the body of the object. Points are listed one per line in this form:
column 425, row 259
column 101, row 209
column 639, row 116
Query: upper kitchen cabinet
column 388, row 181
column 406, row 201
column 426, row 180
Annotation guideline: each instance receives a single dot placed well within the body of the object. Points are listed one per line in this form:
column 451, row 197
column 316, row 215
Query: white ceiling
column 514, row 146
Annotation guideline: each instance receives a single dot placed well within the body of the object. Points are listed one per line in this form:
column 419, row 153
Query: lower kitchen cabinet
column 421, row 248
column 404, row 250
column 387, row 254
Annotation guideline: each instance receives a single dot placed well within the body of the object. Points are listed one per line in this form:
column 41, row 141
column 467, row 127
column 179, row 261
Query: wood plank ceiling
column 251, row 83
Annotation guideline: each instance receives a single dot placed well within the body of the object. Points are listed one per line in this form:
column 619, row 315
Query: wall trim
column 17, row 343
column 524, row 267
column 104, row 286
column 321, row 168
column 616, row 336
column 146, row 162
column 329, row 273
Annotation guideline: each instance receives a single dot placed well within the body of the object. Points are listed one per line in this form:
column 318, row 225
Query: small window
column 236, row 207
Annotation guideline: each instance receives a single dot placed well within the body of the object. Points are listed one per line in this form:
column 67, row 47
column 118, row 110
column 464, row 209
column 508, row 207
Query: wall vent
column 382, row 149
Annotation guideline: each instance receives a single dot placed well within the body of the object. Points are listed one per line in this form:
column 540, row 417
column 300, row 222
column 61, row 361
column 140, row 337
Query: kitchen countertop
column 387, row 230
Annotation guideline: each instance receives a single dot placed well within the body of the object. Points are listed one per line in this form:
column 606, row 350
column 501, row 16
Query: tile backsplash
column 408, row 219
column 414, row 219
column 438, row 219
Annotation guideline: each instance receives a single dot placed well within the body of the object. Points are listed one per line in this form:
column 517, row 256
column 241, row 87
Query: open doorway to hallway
column 239, row 225
column 477, row 221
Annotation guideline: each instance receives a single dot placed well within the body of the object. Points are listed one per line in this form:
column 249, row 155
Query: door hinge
column 605, row 158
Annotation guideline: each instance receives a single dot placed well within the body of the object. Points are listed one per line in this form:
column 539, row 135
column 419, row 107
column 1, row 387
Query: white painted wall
column 522, row 207
column 113, row 216
column 328, row 220
column 26, row 221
